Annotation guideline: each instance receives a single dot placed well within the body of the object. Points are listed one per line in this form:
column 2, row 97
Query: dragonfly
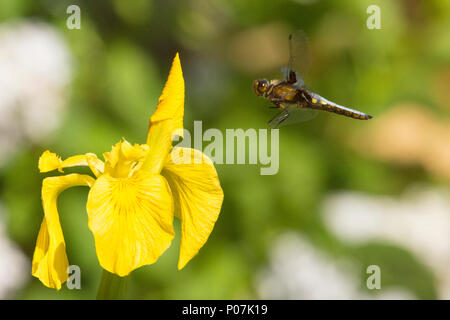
column 296, row 102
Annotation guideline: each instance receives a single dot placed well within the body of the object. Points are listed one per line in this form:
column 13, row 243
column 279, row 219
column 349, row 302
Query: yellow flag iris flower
column 134, row 196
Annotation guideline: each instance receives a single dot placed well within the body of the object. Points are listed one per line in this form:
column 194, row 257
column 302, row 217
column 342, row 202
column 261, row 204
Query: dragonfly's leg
column 275, row 121
column 281, row 106
column 277, row 103
column 282, row 118
column 279, row 118
column 285, row 115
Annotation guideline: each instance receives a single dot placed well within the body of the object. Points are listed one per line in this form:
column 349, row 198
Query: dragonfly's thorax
column 282, row 91
column 269, row 90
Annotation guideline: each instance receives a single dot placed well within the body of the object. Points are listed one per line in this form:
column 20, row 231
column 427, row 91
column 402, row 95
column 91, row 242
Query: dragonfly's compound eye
column 260, row 86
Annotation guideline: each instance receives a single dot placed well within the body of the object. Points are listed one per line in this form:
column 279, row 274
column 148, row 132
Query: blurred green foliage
column 121, row 57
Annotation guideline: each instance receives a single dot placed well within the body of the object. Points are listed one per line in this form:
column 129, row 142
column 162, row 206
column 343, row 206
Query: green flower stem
column 112, row 287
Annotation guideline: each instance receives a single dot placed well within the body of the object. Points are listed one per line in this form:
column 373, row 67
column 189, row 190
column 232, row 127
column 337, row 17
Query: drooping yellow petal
column 50, row 260
column 50, row 161
column 131, row 219
column 167, row 121
column 197, row 195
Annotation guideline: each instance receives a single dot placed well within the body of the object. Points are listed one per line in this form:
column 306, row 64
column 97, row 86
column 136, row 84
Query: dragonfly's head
column 260, row 86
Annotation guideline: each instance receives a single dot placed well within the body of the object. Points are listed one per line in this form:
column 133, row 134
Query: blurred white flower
column 419, row 222
column 14, row 265
column 297, row 270
column 34, row 73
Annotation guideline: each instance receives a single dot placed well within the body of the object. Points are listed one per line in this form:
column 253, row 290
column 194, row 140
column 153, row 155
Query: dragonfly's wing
column 292, row 115
column 285, row 71
column 299, row 56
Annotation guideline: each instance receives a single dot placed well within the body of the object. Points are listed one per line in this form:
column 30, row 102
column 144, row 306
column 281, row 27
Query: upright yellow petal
column 198, row 198
column 131, row 219
column 167, row 121
column 171, row 101
column 50, row 260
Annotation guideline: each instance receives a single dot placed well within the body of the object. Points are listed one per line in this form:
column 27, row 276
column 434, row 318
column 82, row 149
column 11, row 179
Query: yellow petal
column 197, row 195
column 167, row 121
column 50, row 260
column 131, row 219
column 171, row 101
column 124, row 158
column 50, row 161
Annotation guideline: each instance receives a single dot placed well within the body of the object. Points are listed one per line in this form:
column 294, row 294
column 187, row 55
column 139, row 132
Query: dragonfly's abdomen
column 319, row 103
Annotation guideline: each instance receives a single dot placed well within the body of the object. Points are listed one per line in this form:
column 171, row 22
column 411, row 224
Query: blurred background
column 348, row 193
